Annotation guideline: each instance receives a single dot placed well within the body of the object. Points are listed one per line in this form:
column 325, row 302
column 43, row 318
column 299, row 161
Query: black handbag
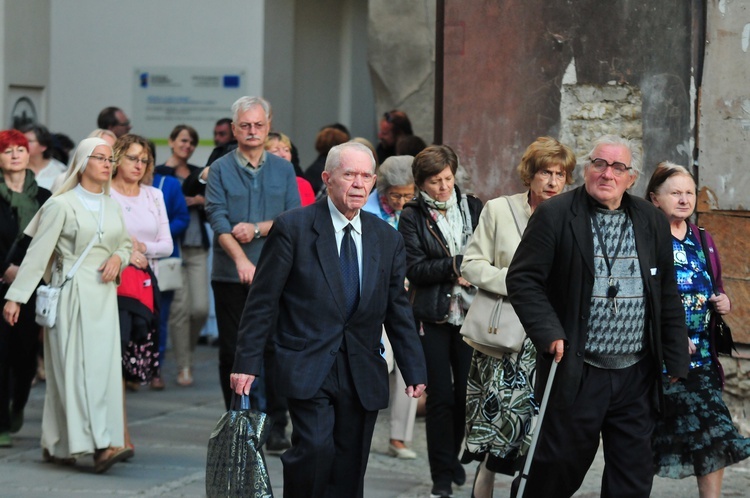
column 721, row 333
column 235, row 466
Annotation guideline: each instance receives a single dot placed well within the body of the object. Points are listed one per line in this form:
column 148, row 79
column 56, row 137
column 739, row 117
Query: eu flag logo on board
column 231, row 81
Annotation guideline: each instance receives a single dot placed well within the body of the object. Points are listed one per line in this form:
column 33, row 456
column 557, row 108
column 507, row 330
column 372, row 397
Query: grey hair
column 633, row 147
column 333, row 160
column 243, row 104
column 395, row 172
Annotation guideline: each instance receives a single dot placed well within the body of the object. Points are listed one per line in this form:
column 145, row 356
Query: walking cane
column 537, row 430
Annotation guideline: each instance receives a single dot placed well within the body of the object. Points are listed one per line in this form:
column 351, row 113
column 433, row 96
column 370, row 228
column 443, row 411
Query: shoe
column 157, row 384
column 132, row 451
column 277, row 444
column 46, row 457
column 102, row 464
column 185, row 378
column 5, row 440
column 132, row 386
column 441, row 492
column 402, row 453
column 203, row 340
column 16, row 421
column 459, row 474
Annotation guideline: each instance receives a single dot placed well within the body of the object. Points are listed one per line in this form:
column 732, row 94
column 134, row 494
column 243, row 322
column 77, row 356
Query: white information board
column 164, row 97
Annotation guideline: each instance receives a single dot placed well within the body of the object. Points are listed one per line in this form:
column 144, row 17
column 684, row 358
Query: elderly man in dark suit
column 325, row 320
column 593, row 283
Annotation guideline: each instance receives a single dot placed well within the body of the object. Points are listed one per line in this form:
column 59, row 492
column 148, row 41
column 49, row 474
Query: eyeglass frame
column 110, row 160
column 615, row 171
column 136, row 160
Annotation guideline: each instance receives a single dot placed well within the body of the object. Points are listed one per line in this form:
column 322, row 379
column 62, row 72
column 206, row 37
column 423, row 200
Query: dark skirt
column 500, row 408
column 696, row 435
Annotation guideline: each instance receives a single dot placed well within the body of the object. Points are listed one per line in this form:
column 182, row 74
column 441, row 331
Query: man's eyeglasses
column 103, row 159
column 126, row 123
column 249, row 126
column 601, row 165
column 135, row 159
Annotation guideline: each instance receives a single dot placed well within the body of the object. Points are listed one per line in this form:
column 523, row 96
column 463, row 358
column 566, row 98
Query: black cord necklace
column 612, row 288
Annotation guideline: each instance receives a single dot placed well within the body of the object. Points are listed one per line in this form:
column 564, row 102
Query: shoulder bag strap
column 519, row 220
column 706, row 254
column 161, row 183
column 88, row 247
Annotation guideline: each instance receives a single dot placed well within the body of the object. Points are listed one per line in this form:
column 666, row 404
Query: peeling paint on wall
column 745, row 37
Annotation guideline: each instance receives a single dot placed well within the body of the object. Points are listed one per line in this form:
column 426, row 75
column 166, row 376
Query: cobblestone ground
column 170, row 431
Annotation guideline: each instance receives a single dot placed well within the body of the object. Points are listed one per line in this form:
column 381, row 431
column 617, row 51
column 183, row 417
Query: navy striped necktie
column 349, row 271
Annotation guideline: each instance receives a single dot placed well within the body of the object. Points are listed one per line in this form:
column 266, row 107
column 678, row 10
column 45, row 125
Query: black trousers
column 448, row 359
column 616, row 404
column 18, row 349
column 229, row 301
column 331, row 437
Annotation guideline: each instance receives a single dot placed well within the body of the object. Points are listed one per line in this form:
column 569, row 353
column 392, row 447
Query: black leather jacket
column 430, row 269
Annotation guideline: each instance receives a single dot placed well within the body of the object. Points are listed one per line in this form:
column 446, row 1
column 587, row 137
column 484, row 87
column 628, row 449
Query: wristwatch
column 257, row 232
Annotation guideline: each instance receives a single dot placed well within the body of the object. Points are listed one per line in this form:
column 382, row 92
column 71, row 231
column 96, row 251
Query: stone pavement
column 171, row 428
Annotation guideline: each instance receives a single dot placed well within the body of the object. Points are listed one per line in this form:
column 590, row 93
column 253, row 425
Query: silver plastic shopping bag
column 235, row 466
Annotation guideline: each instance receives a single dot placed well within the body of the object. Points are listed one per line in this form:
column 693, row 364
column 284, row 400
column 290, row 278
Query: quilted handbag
column 235, row 466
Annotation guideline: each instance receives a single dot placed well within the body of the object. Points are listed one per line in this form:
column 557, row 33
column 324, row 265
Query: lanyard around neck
column 598, row 231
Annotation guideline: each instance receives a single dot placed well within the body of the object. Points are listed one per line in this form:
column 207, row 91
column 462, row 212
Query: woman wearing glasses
column 500, row 392
column 395, row 188
column 83, row 409
column 148, row 226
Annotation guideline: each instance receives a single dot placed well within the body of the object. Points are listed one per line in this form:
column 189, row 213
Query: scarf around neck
column 24, row 203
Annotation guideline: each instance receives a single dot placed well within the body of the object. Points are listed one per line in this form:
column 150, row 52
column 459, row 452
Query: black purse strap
column 707, row 255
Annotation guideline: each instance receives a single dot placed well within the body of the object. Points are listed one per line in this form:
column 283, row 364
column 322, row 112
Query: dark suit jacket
column 296, row 299
column 551, row 277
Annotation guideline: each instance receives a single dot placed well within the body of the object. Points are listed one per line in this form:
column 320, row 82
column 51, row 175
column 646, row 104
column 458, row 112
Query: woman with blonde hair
column 148, row 226
column 500, row 401
column 83, row 408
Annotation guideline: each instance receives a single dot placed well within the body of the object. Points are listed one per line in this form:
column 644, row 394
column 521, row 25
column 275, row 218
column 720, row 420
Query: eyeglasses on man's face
column 601, row 165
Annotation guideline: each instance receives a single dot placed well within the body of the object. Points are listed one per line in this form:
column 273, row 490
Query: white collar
column 340, row 221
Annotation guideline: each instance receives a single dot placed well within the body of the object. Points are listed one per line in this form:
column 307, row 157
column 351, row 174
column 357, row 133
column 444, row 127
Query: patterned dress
column 500, row 408
column 696, row 435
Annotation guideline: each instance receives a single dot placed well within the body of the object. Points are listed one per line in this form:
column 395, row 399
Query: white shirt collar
column 340, row 221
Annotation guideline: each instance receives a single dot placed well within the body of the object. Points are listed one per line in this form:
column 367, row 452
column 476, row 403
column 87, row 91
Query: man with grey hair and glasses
column 246, row 189
column 593, row 283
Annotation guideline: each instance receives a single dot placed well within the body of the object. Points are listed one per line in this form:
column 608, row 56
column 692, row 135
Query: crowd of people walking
column 343, row 289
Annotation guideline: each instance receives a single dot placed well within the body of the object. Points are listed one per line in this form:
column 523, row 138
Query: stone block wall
column 589, row 111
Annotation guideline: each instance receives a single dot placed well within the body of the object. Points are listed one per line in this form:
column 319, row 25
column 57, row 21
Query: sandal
column 103, row 464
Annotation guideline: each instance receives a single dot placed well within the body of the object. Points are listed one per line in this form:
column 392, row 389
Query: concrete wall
column 402, row 60
column 724, row 145
column 504, row 68
column 96, row 44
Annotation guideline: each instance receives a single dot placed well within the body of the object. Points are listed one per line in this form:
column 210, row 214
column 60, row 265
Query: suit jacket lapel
column 328, row 254
column 370, row 261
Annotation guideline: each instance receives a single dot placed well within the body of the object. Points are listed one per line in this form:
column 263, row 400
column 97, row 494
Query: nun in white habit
column 83, row 406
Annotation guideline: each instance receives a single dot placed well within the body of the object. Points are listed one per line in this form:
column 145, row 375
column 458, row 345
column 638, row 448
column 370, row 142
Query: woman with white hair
column 83, row 407
column 395, row 187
